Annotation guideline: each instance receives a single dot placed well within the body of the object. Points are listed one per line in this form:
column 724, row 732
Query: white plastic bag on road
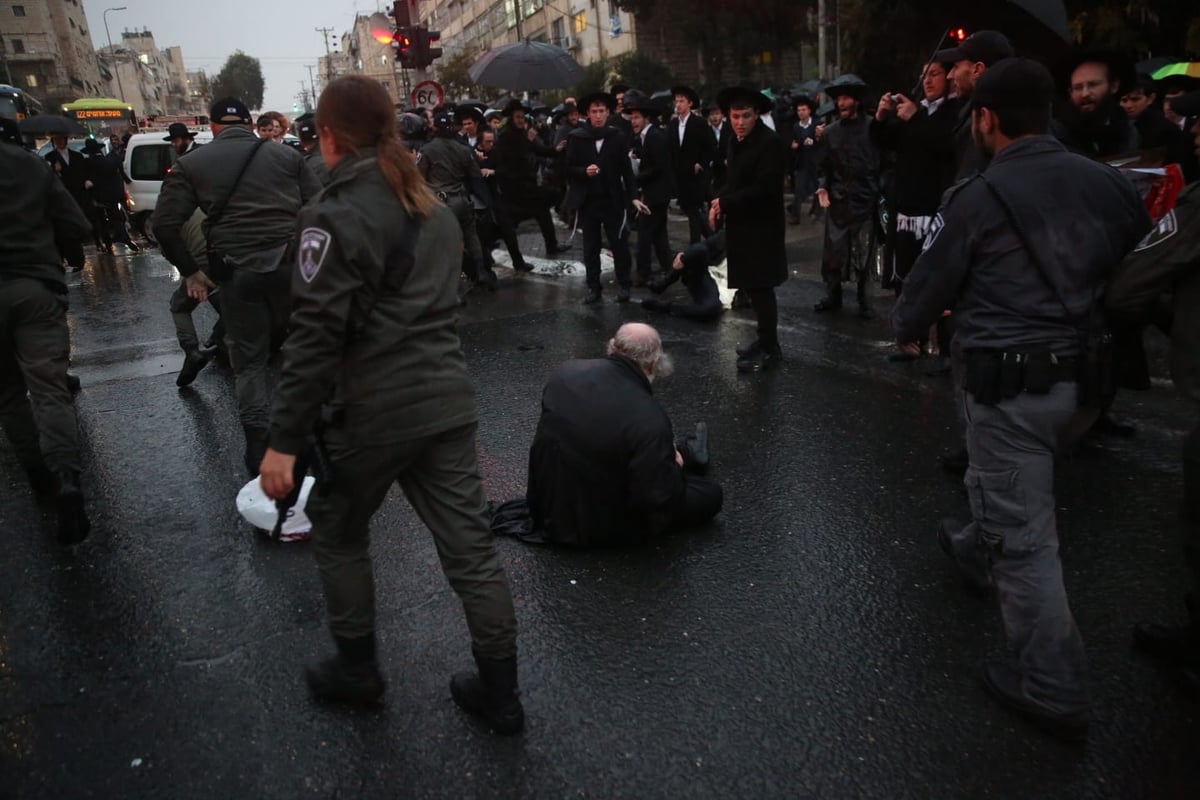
column 259, row 510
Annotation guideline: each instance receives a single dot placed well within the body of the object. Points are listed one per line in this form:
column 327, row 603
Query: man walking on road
column 1024, row 301
column 252, row 196
column 602, row 190
column 36, row 210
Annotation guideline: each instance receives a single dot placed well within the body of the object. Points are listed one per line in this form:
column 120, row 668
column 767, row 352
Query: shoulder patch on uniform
column 314, row 244
column 1167, row 227
column 935, row 227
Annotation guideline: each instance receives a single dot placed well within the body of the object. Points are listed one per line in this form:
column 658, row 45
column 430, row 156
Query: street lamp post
column 113, row 53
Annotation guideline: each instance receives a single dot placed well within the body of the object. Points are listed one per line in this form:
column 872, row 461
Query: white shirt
column 933, row 105
column 716, row 129
column 682, row 128
column 599, row 144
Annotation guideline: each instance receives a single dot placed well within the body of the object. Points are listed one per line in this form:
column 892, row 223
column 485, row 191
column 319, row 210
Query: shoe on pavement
column 491, row 694
column 623, row 294
column 193, row 362
column 73, row 523
column 829, row 303
column 591, row 298
column 761, row 361
column 337, row 681
column 1002, row 681
column 750, row 350
column 1108, row 425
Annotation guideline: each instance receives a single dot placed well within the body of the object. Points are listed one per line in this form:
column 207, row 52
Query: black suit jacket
column 73, row 173
column 698, row 147
column 656, row 177
column 615, row 181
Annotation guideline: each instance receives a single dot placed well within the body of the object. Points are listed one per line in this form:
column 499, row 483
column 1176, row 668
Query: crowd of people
column 351, row 252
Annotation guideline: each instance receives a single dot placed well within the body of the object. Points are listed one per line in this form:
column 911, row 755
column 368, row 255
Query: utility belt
column 997, row 375
column 445, row 196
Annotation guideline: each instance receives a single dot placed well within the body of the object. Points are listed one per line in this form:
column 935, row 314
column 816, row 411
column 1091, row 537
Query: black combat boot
column 352, row 676
column 491, row 694
column 591, row 298
column 832, row 300
column 193, row 362
column 752, row 349
column 73, row 524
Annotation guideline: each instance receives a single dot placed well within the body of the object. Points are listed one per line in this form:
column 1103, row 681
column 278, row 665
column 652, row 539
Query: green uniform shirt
column 35, row 210
column 373, row 325
column 448, row 165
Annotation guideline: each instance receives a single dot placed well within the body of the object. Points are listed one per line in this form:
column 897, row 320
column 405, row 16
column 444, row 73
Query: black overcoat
column 752, row 207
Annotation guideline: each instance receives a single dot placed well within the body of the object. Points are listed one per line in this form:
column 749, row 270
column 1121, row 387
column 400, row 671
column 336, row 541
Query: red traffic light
column 959, row 34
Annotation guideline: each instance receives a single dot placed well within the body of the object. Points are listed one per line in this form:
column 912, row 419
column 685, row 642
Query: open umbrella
column 1188, row 69
column 51, row 125
column 527, row 65
column 473, row 101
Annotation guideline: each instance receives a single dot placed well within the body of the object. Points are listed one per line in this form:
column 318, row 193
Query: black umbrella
column 1153, row 65
column 1051, row 13
column 664, row 100
column 51, row 125
column 527, row 65
column 473, row 101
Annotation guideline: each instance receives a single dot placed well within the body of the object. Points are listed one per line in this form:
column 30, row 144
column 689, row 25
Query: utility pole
column 312, row 85
column 822, row 46
column 325, row 32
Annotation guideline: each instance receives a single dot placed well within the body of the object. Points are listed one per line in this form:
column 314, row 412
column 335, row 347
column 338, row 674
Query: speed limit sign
column 428, row 94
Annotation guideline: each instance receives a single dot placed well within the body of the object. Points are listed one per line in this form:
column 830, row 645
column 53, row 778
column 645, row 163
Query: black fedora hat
column 743, row 97
column 640, row 101
column 687, row 92
column 177, row 130
column 848, row 84
column 514, row 105
column 93, row 146
column 587, row 100
column 469, row 111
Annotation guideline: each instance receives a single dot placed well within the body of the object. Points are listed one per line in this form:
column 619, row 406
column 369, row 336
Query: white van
column 147, row 160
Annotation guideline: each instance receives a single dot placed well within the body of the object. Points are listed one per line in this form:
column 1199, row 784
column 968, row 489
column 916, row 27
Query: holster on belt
column 994, row 376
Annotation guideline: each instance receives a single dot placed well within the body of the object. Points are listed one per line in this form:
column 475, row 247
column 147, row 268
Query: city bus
column 101, row 115
column 16, row 103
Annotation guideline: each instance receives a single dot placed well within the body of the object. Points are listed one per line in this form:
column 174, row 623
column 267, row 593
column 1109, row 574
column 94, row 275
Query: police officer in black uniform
column 450, row 168
column 36, row 209
column 1168, row 261
column 1020, row 252
column 373, row 337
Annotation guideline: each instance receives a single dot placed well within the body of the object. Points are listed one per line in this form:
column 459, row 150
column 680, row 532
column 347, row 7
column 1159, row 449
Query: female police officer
column 373, row 335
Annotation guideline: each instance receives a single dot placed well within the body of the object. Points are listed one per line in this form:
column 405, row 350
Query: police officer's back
column 451, row 169
column 36, row 210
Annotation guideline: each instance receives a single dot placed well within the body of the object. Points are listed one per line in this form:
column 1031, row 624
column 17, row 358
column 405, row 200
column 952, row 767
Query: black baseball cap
column 986, row 46
column 1186, row 105
column 1014, row 83
column 229, row 111
column 306, row 129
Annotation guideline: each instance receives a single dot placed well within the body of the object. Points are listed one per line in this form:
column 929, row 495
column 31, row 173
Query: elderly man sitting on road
column 604, row 467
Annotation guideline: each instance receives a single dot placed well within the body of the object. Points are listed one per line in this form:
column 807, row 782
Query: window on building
column 558, row 31
column 510, row 13
column 18, row 11
column 18, row 46
column 31, row 81
column 581, row 22
column 71, row 22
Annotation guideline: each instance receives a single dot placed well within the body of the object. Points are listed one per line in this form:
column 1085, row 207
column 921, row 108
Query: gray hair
column 641, row 344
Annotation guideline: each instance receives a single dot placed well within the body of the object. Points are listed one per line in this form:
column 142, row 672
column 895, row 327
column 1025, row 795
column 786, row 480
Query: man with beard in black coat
column 848, row 187
column 1092, row 123
column 751, row 206
column 604, row 467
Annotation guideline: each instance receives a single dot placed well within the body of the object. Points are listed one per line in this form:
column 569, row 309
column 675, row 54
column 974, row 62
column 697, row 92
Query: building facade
column 590, row 30
column 46, row 50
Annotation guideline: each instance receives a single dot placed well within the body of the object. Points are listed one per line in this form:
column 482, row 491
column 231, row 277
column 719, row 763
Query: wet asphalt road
column 812, row 643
